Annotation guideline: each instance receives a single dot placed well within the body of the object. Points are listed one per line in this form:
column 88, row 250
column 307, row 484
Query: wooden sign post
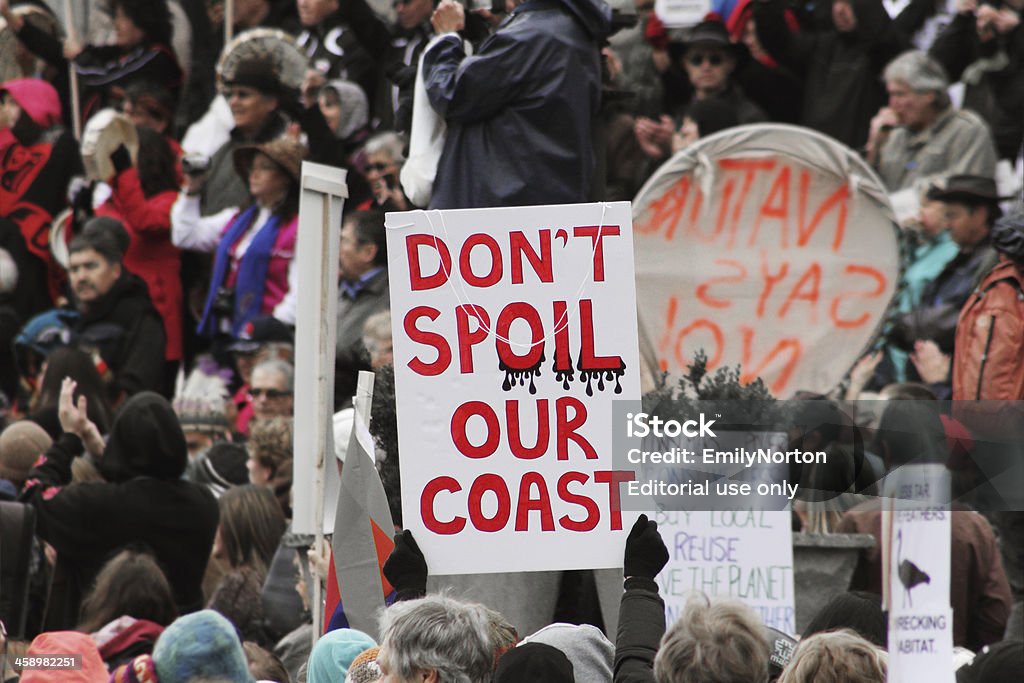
column 320, row 205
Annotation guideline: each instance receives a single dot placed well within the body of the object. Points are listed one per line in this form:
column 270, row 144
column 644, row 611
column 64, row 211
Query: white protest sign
column 919, row 568
column 769, row 246
column 681, row 13
column 741, row 554
column 514, row 331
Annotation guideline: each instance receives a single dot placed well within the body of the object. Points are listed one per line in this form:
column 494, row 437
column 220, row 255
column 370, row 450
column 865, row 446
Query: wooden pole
column 320, row 205
column 76, row 112
column 229, row 20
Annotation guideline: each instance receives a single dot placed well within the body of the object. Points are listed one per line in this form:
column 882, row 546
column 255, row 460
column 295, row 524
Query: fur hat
column 201, row 644
column 282, row 151
column 21, row 444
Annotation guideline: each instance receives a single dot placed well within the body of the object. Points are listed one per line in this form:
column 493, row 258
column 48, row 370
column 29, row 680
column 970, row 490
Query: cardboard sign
column 514, row 331
column 768, row 246
column 681, row 13
column 741, row 554
column 919, row 548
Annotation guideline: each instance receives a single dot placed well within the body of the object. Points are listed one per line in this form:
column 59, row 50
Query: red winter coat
column 988, row 361
column 151, row 255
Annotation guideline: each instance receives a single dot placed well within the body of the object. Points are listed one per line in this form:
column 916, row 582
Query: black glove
column 406, row 568
column 646, row 554
column 121, row 159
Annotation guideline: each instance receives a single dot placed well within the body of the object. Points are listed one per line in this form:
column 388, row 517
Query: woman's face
column 330, row 107
column 268, row 184
column 9, row 111
column 127, row 32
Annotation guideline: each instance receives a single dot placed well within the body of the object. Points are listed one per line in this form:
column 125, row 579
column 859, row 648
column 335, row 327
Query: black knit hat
column 256, row 73
column 534, row 662
column 221, row 467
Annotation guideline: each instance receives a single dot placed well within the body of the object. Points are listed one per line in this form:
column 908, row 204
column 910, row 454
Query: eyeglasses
column 271, row 394
column 712, row 58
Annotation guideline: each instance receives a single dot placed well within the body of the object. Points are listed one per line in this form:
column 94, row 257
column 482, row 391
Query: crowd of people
column 148, row 302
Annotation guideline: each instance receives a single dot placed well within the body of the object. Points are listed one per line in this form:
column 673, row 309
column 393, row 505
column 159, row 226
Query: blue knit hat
column 200, row 644
column 333, row 654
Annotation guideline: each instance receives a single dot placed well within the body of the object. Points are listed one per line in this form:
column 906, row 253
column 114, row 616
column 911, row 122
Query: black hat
column 534, row 662
column 709, row 33
column 256, row 73
column 997, row 663
column 261, row 331
column 972, row 189
column 781, row 647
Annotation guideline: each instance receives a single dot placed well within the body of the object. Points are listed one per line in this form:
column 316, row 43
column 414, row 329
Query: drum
column 103, row 133
column 265, row 45
column 60, row 237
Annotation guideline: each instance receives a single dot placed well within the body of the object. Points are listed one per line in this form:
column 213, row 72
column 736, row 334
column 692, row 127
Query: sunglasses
column 379, row 168
column 269, row 393
column 712, row 58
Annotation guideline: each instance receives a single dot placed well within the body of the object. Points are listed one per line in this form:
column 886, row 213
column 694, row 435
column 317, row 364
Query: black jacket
column 842, row 71
column 128, row 333
column 641, row 626
column 145, row 504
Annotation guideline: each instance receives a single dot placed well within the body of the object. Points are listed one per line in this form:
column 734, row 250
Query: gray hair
column 280, row 367
column 390, row 143
column 437, row 633
column 921, row 73
column 836, row 656
column 717, row 641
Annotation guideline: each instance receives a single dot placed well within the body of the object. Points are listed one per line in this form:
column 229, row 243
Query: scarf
column 252, row 270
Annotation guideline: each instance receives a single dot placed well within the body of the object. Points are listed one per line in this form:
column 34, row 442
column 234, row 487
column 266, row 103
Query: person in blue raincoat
column 521, row 111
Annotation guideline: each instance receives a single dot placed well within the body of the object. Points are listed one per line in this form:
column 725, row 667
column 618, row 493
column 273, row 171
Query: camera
column 195, row 164
column 224, row 302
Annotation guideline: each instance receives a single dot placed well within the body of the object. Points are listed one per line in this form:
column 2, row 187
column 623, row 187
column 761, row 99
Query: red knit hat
column 37, row 98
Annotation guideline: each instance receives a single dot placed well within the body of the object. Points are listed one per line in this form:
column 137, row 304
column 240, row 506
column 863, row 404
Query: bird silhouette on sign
column 910, row 574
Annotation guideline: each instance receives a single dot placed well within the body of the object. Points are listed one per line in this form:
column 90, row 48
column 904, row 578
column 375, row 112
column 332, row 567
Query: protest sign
column 741, row 554
column 769, row 246
column 918, row 550
column 681, row 13
column 514, row 331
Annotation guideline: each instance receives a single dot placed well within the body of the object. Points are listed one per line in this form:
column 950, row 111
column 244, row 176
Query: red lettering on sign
column 515, row 439
column 528, row 504
column 541, row 262
column 565, row 427
column 613, row 478
column 811, row 279
column 838, row 200
column 458, row 429
column 874, row 293
column 702, row 289
column 489, row 483
column 469, row 338
column 597, row 233
column 430, row 521
column 493, row 276
column 444, row 353
column 589, row 522
column 418, row 281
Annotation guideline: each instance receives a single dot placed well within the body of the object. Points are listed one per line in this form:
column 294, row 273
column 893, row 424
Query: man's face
column 91, row 275
column 354, row 258
column 913, row 109
column 380, row 164
column 843, row 17
column 248, row 13
column 312, row 12
column 197, row 442
column 708, row 67
column 412, row 13
column 967, row 225
column 250, row 108
column 270, row 394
